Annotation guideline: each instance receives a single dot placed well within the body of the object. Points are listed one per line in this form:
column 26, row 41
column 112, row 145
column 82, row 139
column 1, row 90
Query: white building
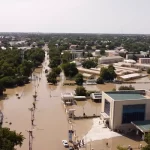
column 110, row 60
column 126, row 110
column 97, row 97
column 67, row 98
column 130, row 61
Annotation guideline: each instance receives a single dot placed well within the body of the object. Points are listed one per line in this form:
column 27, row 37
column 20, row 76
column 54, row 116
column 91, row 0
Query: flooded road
column 50, row 118
column 51, row 122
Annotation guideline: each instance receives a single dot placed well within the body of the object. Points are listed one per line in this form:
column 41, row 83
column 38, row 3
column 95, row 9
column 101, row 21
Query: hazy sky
column 84, row 16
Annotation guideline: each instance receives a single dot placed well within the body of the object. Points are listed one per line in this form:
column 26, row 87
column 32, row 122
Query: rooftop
column 144, row 126
column 128, row 76
column 125, row 96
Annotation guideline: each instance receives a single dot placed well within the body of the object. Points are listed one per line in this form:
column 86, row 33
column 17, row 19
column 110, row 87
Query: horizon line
column 76, row 33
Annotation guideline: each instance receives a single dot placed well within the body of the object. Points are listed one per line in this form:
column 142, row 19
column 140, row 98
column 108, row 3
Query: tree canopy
column 89, row 64
column 70, row 69
column 51, row 77
column 10, row 139
column 130, row 87
column 108, row 74
column 80, row 91
column 79, row 79
column 14, row 70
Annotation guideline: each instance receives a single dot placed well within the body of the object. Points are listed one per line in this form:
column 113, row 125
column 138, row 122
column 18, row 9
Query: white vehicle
column 65, row 143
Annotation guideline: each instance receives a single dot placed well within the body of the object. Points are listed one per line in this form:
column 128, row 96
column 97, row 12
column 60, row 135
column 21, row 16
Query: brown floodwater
column 113, row 143
column 50, row 117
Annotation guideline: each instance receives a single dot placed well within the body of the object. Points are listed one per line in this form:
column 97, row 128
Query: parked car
column 65, row 143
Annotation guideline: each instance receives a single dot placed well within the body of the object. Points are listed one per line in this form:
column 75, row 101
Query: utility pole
column 30, row 138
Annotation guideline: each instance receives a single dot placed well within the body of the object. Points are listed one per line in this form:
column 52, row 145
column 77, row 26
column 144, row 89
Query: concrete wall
column 109, row 99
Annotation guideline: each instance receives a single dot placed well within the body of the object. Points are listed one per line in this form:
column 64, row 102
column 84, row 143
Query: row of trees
column 14, row 70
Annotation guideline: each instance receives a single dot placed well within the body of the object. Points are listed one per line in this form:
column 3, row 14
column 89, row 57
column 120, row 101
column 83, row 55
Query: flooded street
column 51, row 122
column 50, row 118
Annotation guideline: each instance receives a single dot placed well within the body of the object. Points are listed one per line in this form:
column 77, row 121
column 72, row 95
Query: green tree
column 107, row 74
column 89, row 64
column 10, row 139
column 100, row 80
column 102, row 52
column 57, row 70
column 2, row 89
column 8, row 81
column 147, row 138
column 55, row 62
column 51, row 77
column 80, row 91
column 147, row 147
column 70, row 69
column 66, row 57
column 79, row 79
column 111, row 67
column 130, row 87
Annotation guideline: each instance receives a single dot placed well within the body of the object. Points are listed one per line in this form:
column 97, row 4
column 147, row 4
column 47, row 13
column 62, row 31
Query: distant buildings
column 144, row 60
column 131, row 56
column 110, row 60
column 73, row 47
column 111, row 53
column 75, row 53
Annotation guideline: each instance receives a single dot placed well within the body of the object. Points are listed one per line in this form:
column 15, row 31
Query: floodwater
column 113, row 143
column 50, row 117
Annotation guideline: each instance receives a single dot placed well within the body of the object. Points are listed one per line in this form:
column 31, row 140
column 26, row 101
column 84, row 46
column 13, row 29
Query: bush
column 100, row 81
column 89, row 64
column 70, row 69
column 126, row 87
column 57, row 70
column 22, row 80
column 51, row 78
column 8, row 81
column 80, row 91
column 79, row 79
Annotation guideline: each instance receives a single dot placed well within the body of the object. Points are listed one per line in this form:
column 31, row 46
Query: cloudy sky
column 75, row 16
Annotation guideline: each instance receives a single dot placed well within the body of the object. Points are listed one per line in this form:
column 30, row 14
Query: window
column 107, row 107
column 133, row 113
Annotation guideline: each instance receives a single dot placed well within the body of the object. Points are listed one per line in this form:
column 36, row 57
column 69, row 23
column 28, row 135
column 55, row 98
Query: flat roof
column 133, row 75
column 126, row 96
column 143, row 126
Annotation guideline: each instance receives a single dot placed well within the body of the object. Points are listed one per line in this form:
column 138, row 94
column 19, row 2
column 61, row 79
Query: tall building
column 125, row 110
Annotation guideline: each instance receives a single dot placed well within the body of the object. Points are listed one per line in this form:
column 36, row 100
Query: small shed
column 67, row 98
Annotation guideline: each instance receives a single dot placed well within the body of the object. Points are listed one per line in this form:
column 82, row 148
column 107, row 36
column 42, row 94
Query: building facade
column 123, row 107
